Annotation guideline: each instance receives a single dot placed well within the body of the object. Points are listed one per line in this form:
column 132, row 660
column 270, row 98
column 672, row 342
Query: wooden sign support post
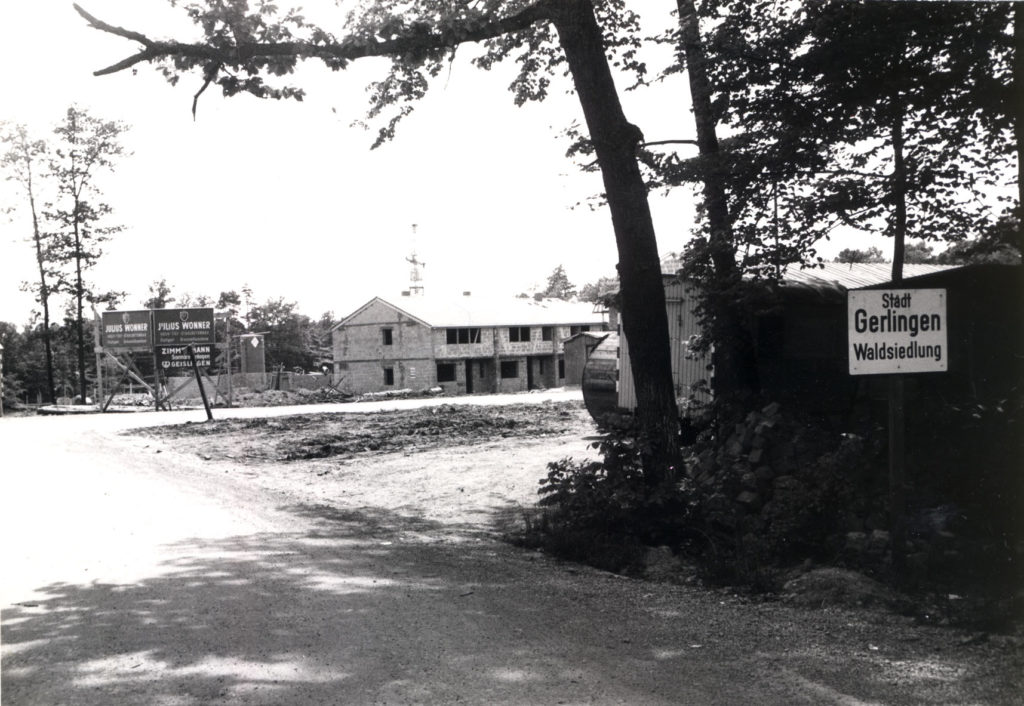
column 157, row 402
column 199, row 381
column 897, row 474
column 127, row 371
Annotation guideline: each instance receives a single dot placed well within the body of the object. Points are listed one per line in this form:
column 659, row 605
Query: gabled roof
column 466, row 311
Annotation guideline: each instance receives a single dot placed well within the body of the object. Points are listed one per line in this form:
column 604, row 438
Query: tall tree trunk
column 899, row 188
column 79, row 296
column 644, row 318
column 44, row 295
column 1017, row 113
column 733, row 356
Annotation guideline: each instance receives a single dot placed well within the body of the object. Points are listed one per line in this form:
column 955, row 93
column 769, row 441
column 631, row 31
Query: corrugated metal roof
column 477, row 311
column 859, row 274
column 845, row 274
column 670, row 265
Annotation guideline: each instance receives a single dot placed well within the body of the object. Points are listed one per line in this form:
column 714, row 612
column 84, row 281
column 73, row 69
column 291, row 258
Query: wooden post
column 227, row 358
column 117, row 385
column 199, row 381
column 156, row 381
column 897, row 473
column 98, row 349
column 497, row 360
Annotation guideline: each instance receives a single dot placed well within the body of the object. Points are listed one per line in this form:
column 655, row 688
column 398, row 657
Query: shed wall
column 683, row 329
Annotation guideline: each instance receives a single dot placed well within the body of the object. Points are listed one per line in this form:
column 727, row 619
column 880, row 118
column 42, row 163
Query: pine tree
column 85, row 145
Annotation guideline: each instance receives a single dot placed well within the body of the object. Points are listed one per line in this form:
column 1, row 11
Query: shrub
column 604, row 512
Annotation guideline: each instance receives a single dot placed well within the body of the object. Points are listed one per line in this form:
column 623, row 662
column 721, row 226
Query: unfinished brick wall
column 379, row 338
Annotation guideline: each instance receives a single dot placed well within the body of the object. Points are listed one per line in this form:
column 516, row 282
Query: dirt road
column 174, row 569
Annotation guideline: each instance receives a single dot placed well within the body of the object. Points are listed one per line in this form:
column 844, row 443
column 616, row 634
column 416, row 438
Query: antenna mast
column 415, row 274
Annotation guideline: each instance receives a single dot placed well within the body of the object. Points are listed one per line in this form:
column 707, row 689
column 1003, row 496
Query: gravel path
column 143, row 569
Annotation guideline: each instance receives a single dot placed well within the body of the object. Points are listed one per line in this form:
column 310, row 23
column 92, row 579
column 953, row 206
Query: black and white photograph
column 528, row 352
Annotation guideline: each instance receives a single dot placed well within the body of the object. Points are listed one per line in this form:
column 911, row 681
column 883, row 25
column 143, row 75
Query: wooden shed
column 688, row 367
column 576, row 350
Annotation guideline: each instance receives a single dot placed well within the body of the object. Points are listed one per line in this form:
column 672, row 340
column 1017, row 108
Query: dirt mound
column 346, row 434
column 839, row 587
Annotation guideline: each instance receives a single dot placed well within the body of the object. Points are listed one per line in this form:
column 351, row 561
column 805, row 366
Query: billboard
column 897, row 331
column 180, row 327
column 126, row 330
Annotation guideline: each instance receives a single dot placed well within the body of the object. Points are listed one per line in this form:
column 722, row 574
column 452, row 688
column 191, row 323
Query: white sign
column 897, row 331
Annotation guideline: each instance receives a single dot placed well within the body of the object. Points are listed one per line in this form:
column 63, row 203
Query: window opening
column 462, row 335
column 519, row 334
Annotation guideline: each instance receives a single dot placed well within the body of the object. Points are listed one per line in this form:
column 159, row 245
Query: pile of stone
column 786, row 489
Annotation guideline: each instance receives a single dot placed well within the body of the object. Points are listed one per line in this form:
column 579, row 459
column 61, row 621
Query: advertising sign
column 126, row 330
column 897, row 331
column 180, row 327
column 172, row 358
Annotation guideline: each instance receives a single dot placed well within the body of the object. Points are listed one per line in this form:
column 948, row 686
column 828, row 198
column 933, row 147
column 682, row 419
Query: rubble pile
column 778, row 488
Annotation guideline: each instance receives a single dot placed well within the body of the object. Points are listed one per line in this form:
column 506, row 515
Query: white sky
column 287, row 197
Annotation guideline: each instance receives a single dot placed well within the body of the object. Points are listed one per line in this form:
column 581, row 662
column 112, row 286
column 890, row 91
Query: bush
column 764, row 490
column 604, row 513
column 13, row 390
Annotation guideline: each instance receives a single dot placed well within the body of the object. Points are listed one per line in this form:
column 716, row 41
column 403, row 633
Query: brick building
column 462, row 344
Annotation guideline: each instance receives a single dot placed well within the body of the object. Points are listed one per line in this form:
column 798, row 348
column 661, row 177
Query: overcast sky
column 287, row 197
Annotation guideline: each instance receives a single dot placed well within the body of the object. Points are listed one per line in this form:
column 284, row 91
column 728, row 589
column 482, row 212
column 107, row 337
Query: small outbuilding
column 577, row 350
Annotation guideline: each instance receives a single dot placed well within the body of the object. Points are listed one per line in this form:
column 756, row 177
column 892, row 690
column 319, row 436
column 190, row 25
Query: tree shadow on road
column 362, row 606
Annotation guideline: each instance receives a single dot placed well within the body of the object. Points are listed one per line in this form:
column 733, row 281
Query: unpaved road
column 164, row 570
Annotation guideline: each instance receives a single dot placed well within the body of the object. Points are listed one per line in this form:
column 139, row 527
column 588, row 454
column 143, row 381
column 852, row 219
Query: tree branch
column 668, row 142
column 111, row 29
column 206, row 84
column 344, row 50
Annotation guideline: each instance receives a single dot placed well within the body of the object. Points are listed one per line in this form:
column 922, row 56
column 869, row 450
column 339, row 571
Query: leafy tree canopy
column 872, row 254
column 559, row 286
column 160, row 295
column 599, row 291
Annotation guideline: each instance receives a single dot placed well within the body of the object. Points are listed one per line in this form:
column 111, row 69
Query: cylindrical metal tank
column 601, row 377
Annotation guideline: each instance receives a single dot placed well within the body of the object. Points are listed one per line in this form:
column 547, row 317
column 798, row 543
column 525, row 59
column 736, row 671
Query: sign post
column 199, row 381
column 893, row 332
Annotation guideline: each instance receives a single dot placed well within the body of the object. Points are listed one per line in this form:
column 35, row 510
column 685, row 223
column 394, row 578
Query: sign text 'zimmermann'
column 897, row 331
